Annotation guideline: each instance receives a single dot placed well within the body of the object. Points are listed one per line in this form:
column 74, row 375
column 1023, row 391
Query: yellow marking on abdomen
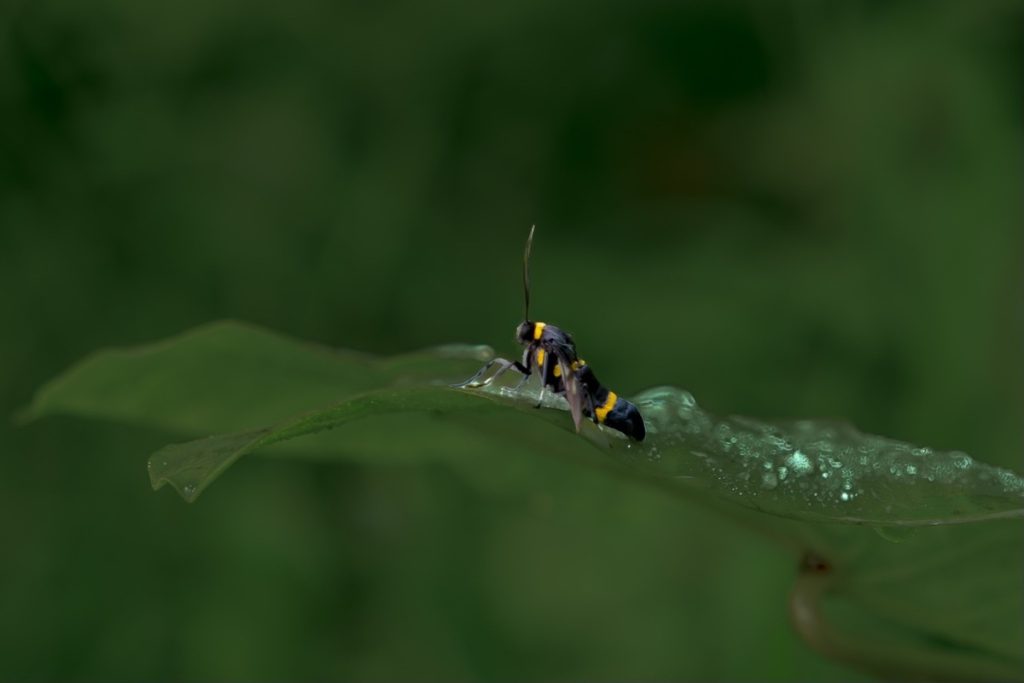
column 603, row 411
column 558, row 371
column 538, row 329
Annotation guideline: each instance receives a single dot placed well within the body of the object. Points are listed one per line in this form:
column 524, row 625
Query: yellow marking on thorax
column 602, row 412
column 577, row 364
column 538, row 330
column 541, row 354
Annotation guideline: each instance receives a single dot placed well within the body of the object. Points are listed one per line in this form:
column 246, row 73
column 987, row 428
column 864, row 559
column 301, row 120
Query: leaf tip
column 189, row 491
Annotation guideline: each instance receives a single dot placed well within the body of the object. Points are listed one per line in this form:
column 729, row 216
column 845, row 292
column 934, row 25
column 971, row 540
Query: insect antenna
column 526, row 274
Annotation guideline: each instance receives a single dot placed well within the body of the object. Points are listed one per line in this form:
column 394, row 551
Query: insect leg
column 504, row 366
column 507, row 365
column 543, row 379
column 473, row 380
column 528, row 364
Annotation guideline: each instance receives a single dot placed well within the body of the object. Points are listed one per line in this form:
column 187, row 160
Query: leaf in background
column 941, row 604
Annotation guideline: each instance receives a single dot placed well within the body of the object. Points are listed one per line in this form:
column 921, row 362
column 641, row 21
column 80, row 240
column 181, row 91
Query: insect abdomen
column 626, row 418
column 610, row 409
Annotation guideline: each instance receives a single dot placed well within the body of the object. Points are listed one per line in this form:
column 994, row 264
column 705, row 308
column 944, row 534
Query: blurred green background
column 790, row 209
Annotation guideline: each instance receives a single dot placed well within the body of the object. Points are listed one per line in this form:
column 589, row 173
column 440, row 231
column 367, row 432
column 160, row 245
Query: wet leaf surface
column 936, row 595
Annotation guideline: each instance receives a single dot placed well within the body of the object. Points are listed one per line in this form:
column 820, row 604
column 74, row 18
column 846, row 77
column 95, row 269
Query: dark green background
column 790, row 209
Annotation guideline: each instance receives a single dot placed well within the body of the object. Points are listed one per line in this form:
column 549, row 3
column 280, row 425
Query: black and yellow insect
column 552, row 351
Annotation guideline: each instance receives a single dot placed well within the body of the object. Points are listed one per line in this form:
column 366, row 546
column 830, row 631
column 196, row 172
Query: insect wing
column 573, row 391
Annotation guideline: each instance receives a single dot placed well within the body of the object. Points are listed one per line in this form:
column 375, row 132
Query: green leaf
column 227, row 376
column 805, row 470
column 190, row 467
column 935, row 596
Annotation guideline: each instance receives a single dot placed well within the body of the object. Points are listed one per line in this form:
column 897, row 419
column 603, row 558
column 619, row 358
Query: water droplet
column 769, row 481
column 783, row 472
column 844, row 496
column 799, row 463
column 962, row 461
column 189, row 490
column 911, row 469
column 824, row 475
